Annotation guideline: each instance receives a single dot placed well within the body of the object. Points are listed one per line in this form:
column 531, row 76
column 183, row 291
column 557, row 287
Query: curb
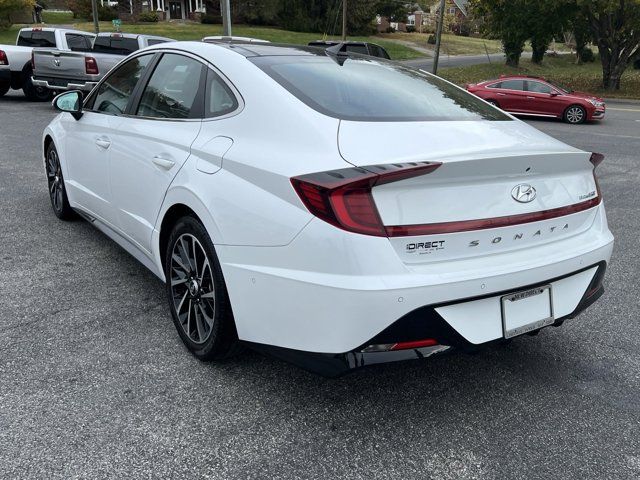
column 615, row 101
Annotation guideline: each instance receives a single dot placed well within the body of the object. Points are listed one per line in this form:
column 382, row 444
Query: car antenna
column 337, row 54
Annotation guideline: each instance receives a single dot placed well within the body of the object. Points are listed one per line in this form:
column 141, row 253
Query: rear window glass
column 37, row 39
column 115, row 45
column 373, row 90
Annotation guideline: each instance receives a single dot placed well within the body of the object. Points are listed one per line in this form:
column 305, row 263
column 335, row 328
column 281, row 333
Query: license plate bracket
column 526, row 311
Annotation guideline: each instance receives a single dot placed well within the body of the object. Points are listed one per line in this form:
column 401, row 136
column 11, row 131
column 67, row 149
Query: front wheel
column 575, row 114
column 55, row 182
column 197, row 293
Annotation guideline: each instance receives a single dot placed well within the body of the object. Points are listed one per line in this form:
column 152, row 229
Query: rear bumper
column 331, row 292
column 5, row 75
column 424, row 322
column 61, row 84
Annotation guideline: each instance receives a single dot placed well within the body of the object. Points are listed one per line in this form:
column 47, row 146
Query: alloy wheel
column 55, row 181
column 575, row 115
column 192, row 288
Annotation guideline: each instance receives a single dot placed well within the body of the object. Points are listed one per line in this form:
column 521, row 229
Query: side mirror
column 70, row 102
column 554, row 94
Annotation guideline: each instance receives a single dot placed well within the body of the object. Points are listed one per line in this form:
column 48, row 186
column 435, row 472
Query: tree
column 547, row 20
column 392, row 10
column 7, row 7
column 615, row 26
column 507, row 21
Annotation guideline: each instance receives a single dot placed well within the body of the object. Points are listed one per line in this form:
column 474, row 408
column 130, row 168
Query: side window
column 77, row 43
column 155, row 41
column 377, row 51
column 361, row 49
column 114, row 93
column 173, row 88
column 220, row 100
column 538, row 87
column 495, row 85
column 513, row 85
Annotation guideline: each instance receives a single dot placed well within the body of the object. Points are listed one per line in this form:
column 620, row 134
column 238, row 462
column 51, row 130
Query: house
column 167, row 9
column 178, row 9
column 456, row 12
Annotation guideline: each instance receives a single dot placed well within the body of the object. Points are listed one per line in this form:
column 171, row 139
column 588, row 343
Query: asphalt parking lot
column 95, row 382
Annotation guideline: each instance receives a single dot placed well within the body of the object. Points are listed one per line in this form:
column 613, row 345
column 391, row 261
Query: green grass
column 451, row 44
column 57, row 18
column 561, row 69
column 457, row 45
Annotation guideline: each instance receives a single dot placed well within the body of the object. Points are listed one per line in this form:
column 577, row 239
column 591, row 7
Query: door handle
column 163, row 162
column 502, row 94
column 103, row 143
column 531, row 98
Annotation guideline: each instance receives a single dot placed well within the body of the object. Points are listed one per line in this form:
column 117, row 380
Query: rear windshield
column 37, row 39
column 115, row 45
column 373, row 90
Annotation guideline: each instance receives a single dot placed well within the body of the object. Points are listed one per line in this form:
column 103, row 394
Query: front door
column 175, row 10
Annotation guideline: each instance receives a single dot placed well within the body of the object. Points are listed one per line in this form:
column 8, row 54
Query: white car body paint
column 294, row 280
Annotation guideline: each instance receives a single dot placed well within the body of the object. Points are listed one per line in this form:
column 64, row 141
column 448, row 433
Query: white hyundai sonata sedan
column 336, row 211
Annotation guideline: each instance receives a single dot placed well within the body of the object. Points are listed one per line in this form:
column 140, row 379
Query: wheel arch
column 180, row 202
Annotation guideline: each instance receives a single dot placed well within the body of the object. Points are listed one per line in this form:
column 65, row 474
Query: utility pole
column 438, row 37
column 94, row 9
column 225, row 9
column 344, row 20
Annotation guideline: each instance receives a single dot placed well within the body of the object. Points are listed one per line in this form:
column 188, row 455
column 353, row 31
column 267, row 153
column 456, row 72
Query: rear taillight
column 3, row 58
column 343, row 197
column 90, row 66
column 596, row 159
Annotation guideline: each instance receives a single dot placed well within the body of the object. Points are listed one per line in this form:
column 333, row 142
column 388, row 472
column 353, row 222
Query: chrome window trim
column 201, row 60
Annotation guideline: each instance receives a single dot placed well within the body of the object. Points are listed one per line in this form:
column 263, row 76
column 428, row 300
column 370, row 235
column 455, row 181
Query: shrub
column 210, row 19
column 636, row 64
column 390, row 30
column 411, row 28
column 149, row 17
column 431, row 40
column 105, row 14
column 587, row 55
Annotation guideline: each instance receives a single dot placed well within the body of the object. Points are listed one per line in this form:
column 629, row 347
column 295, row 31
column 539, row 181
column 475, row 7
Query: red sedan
column 536, row 96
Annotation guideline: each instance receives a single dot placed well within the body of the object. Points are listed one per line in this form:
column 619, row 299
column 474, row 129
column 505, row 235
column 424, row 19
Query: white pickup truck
column 59, row 70
column 15, row 60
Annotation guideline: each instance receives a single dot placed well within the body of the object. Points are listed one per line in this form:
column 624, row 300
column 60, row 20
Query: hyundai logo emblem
column 523, row 193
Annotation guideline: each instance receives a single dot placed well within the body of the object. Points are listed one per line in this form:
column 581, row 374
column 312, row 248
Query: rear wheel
column 33, row 93
column 55, row 182
column 494, row 103
column 197, row 293
column 575, row 114
column 4, row 88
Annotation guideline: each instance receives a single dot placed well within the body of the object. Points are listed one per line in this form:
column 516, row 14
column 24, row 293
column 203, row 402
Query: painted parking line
column 610, row 135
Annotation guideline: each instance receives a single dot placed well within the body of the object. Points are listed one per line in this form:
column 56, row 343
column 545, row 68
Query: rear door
column 511, row 96
column 154, row 141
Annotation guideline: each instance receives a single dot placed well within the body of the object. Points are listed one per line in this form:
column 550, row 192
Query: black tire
column 4, row 88
column 494, row 103
column 205, row 324
column 56, row 187
column 33, row 93
column 575, row 114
